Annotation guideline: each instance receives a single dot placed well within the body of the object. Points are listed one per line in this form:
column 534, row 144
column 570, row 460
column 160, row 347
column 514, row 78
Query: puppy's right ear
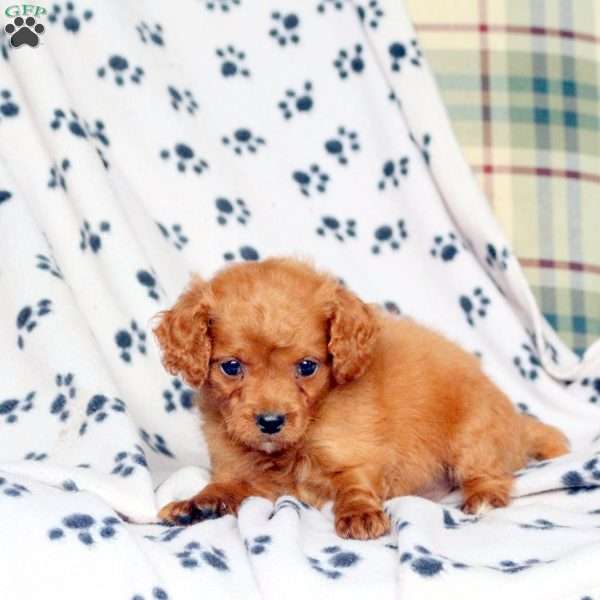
column 183, row 334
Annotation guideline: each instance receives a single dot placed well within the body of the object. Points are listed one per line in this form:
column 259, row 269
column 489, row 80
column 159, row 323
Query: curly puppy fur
column 392, row 409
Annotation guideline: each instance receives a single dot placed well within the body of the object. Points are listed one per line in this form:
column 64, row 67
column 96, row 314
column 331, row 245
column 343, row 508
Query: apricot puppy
column 306, row 390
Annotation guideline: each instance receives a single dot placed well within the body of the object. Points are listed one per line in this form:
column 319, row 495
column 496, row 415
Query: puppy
column 306, row 390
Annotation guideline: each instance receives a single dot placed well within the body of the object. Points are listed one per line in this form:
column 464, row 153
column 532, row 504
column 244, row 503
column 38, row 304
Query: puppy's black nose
column 270, row 422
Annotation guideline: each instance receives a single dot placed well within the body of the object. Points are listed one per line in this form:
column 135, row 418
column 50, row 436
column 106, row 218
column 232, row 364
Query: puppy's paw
column 366, row 525
column 479, row 503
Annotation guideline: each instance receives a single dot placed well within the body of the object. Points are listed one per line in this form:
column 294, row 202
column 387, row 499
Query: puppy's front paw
column 479, row 503
column 366, row 525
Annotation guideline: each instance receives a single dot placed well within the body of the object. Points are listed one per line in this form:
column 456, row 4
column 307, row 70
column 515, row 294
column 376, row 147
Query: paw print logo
column 577, row 483
column 148, row 280
column 243, row 141
column 185, row 157
column 128, row 340
column 57, row 174
column 336, row 4
column 259, row 544
column 227, row 209
column 296, row 102
column 529, row 364
column 594, row 385
column 286, row 28
column 178, row 392
column 475, row 304
column 90, row 239
column 99, row 408
column 85, row 526
column 156, row 442
column 370, row 13
column 224, row 5
column 10, row 408
column 496, row 258
column 333, row 562
column 79, row 127
column 26, row 319
column 246, row 253
column 349, row 61
column 445, row 247
column 48, row 263
column 385, row 235
column 400, row 52
column 174, row 234
column 13, row 490
column 341, row 231
column 184, row 98
column 66, row 15
column 150, row 34
column 339, row 147
column 127, row 462
column 24, row 32
column 8, row 108
column 392, row 171
column 194, row 554
column 119, row 68
column 66, row 392
column 314, row 179
column 423, row 562
column 233, row 62
column 423, row 145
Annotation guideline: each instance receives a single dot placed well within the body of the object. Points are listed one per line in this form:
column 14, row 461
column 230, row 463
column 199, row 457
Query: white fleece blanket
column 140, row 142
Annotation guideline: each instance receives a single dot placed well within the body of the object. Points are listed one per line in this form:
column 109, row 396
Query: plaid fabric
column 521, row 84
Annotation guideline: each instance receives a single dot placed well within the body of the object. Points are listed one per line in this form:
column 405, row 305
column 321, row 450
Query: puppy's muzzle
column 270, row 423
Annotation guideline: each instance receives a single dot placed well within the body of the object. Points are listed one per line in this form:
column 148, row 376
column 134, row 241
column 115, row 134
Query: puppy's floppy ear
column 353, row 330
column 183, row 334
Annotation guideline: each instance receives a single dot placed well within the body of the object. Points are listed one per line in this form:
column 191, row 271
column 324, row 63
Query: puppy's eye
column 306, row 367
column 231, row 367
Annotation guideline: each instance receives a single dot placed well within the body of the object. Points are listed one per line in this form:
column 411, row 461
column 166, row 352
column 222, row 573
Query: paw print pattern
column 185, row 157
column 98, row 410
column 167, row 534
column 385, row 235
column 174, row 234
column 445, row 247
column 148, row 280
column 496, row 258
column 57, row 174
column 48, row 263
column 12, row 490
column 285, row 28
column 26, row 319
column 529, row 365
column 157, row 443
column 79, row 127
column 127, row 462
column 5, row 196
column 223, row 5
column 324, row 4
column 130, row 339
column 90, row 239
column 3, row 45
column 246, row 253
column 66, row 393
column 233, row 62
column 392, row 171
column 541, row 525
column 10, row 408
column 259, row 544
column 178, row 393
column 150, row 34
column 424, row 563
column 24, row 32
column 456, row 523
column 370, row 13
column 71, row 21
column 340, row 230
column 314, row 179
column 227, row 209
column 594, row 385
column 243, row 141
column 296, row 102
column 194, row 554
column 339, row 147
column 423, row 145
column 85, row 527
column 158, row 593
column 400, row 52
column 349, row 61
column 182, row 99
column 475, row 304
column 586, row 480
column 36, row 456
column 333, row 562
column 8, row 108
column 121, row 71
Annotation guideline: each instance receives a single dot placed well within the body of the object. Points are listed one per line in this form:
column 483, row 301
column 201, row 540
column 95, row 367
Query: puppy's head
column 266, row 341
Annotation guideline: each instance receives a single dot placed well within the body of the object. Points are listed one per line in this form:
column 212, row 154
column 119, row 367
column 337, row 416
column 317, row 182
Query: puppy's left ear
column 353, row 329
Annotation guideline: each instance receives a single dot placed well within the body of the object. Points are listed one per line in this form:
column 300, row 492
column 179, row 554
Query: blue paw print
column 451, row 523
column 10, row 408
column 232, row 62
column 370, row 13
column 13, row 490
column 259, row 544
column 5, row 196
column 529, row 365
column 70, row 20
column 496, row 258
column 66, row 392
column 385, row 235
column 90, row 239
column 185, row 157
column 423, row 145
column 445, row 247
column 121, row 71
column 148, row 280
column 150, row 33
column 193, row 555
column 158, row 593
column 184, row 98
column 99, row 408
column 85, row 526
column 130, row 339
column 285, row 28
column 350, row 61
column 243, row 141
column 247, row 253
column 340, row 146
column 340, row 230
column 8, row 108
column 79, row 127
column 57, row 174
column 178, row 392
column 157, row 443
column 127, row 462
column 474, row 305
column 227, row 209
column 4, row 45
column 594, row 385
column 48, row 263
column 324, row 4
column 541, row 525
column 296, row 102
column 167, row 534
column 392, row 171
column 334, row 561
column 224, row 5
column 314, row 179
column 400, row 52
column 174, row 234
column 26, row 319
column 36, row 456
